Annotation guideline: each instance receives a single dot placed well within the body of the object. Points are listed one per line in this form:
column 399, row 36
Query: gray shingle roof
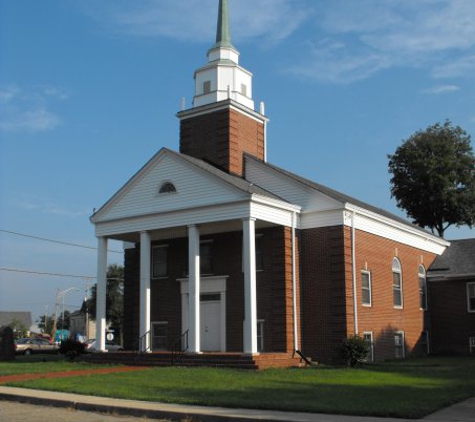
column 338, row 196
column 458, row 261
column 7, row 317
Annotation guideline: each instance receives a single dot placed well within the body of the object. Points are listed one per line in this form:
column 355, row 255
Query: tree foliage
column 114, row 297
column 433, row 177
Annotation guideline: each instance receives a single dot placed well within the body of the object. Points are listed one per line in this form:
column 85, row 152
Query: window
column 397, row 283
column 206, row 87
column 471, row 297
column 159, row 335
column 399, row 349
column 244, row 90
column 259, row 253
column 366, row 288
column 160, row 261
column 472, row 345
column 206, row 258
column 368, row 338
column 167, row 187
column 422, row 287
column 260, row 335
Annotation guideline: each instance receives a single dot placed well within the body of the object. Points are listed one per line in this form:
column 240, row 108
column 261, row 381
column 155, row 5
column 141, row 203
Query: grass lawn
column 409, row 389
column 38, row 364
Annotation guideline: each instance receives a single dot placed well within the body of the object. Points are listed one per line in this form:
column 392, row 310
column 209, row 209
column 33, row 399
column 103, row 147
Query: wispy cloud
column 192, row 20
column 440, row 89
column 436, row 35
column 46, row 206
column 29, row 109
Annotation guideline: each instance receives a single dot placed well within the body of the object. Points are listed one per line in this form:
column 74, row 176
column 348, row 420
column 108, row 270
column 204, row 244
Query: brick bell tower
column 222, row 124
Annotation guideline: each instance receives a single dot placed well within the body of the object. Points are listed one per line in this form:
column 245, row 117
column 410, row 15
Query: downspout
column 353, row 270
column 262, row 110
column 294, row 283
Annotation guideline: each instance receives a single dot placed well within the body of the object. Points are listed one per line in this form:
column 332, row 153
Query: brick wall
column 221, row 137
column 451, row 323
column 376, row 254
column 327, row 298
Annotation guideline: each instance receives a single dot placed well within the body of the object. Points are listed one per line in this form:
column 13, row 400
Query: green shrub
column 355, row 350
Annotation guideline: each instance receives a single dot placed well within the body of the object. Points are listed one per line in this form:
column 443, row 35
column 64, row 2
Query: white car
column 110, row 346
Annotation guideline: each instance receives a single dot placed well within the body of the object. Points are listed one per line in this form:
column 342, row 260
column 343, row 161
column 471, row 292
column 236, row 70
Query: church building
column 228, row 253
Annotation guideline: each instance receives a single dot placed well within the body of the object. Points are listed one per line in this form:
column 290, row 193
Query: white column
column 145, row 258
column 250, row 296
column 194, row 289
column 101, row 291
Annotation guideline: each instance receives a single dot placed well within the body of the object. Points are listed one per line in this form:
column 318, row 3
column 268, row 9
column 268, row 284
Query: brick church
column 229, row 253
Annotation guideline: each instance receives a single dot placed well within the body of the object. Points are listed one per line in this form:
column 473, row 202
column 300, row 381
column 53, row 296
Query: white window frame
column 369, row 288
column 470, row 286
column 400, row 334
column 471, row 344
column 368, row 337
column 422, row 275
column 397, row 269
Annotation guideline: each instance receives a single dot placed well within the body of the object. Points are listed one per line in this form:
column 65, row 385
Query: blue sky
column 89, row 91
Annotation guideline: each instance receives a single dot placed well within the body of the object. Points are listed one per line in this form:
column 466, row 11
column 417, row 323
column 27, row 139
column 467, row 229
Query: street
column 20, row 412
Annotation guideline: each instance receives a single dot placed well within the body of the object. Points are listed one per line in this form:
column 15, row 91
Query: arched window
column 397, row 283
column 167, row 187
column 422, row 287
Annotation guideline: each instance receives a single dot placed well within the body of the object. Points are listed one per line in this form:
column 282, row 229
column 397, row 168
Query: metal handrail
column 141, row 348
column 180, row 346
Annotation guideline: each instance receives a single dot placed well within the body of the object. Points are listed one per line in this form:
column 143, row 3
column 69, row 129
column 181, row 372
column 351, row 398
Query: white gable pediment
column 193, row 187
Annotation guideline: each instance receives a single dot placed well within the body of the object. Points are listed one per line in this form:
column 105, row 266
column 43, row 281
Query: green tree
column 46, row 328
column 20, row 330
column 114, row 297
column 433, row 177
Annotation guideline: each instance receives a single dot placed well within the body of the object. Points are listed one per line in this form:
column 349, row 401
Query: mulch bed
column 26, row 377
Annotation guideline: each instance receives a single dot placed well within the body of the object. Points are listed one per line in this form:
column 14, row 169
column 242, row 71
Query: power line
column 54, row 241
column 16, row 270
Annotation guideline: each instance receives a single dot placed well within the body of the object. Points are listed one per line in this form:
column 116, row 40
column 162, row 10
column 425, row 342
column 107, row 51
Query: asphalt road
column 19, row 412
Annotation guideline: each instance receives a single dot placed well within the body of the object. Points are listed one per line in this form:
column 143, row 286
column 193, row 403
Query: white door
column 210, row 323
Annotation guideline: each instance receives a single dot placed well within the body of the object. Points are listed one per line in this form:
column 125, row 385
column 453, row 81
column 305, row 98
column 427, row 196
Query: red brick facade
column 452, row 325
column 221, row 137
column 327, row 301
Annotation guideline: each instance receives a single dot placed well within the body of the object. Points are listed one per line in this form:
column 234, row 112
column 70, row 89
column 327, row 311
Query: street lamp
column 58, row 294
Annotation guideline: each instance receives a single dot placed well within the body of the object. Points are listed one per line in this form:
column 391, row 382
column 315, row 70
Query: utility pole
column 55, row 322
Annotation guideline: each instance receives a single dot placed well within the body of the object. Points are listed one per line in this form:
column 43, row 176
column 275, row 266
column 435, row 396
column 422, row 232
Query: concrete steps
column 217, row 360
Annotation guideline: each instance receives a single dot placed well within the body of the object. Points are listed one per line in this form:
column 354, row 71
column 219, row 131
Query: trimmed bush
column 355, row 350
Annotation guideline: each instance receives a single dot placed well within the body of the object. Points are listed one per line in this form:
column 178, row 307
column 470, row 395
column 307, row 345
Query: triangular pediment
column 170, row 182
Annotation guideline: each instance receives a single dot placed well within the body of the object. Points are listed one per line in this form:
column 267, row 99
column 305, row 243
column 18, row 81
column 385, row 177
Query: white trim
column 370, row 289
column 371, row 345
column 402, row 334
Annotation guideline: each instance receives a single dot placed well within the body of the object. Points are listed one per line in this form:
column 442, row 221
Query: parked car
column 27, row 346
column 110, row 346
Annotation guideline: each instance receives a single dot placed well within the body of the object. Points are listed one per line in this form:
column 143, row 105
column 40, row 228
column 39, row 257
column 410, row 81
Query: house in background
column 24, row 318
column 451, row 300
column 238, row 255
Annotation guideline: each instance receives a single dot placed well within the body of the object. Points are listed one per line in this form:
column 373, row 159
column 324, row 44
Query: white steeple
column 222, row 78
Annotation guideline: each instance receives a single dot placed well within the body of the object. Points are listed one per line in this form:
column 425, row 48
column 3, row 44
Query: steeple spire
column 223, row 32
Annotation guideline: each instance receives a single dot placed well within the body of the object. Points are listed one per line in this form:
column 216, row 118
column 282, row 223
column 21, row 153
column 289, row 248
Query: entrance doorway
column 210, row 315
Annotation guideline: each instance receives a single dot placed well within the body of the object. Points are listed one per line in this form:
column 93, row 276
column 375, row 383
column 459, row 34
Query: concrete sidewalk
column 462, row 412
